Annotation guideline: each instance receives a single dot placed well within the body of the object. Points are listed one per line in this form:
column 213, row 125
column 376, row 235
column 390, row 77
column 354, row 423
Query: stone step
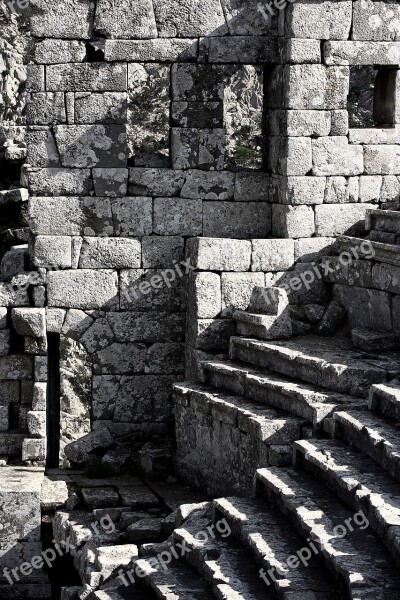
column 130, row 593
column 271, row 541
column 379, row 251
column 222, row 439
column 309, row 402
column 387, row 221
column 358, row 481
column 385, row 399
column 357, row 557
column 263, row 327
column 223, row 562
column 177, row 581
column 385, row 238
column 378, row 437
column 254, row 419
column 329, row 363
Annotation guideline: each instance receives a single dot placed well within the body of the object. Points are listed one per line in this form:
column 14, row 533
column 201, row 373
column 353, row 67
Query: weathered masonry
column 199, row 285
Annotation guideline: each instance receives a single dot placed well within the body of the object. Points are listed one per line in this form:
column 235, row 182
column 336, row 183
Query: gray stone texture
column 69, row 19
column 125, row 19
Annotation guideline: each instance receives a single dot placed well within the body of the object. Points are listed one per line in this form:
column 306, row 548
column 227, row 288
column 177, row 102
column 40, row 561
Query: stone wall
column 152, row 123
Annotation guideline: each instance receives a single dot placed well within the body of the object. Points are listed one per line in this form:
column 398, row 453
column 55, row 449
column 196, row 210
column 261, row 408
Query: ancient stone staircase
column 350, row 483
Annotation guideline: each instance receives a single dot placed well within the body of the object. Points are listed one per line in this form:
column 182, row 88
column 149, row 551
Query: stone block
column 132, row 216
column 365, row 307
column 55, row 319
column 165, row 358
column 396, row 315
column 3, row 317
column 144, row 398
column 361, row 53
column 197, row 114
column 208, row 185
column 249, row 18
column 331, row 220
column 110, row 182
column 110, row 253
column 78, row 452
column 236, row 219
column 244, row 49
column 272, row 255
column 376, row 21
column 154, row 50
column 4, row 342
column 204, row 295
column 334, row 156
column 147, row 326
column 340, row 190
column 237, row 289
column 292, row 221
column 105, row 108
column 13, row 262
column 382, row 160
column 155, row 182
column 69, row 19
column 83, row 146
column 269, row 301
column 340, row 122
column 298, row 51
column 370, row 188
column 4, row 418
column 180, row 19
column 373, row 136
column 177, row 216
column 323, row 20
column 386, row 278
column 314, row 123
column 29, row 321
column 9, row 296
column 252, row 187
column 37, row 424
column 85, row 289
column 86, row 77
column 217, row 254
column 120, row 359
column 151, row 290
column 313, row 87
column 290, row 155
column 35, row 79
column 52, row 252
column 42, row 148
column 34, row 450
column 46, row 109
column 60, row 182
column 53, row 51
column 125, row 19
column 162, row 252
column 310, row 249
column 70, row 216
column 97, row 334
column 298, row 190
column 40, row 368
column 210, row 334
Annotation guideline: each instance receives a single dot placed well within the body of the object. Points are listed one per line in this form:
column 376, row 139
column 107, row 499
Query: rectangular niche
column 373, row 97
column 243, row 118
column 148, row 126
